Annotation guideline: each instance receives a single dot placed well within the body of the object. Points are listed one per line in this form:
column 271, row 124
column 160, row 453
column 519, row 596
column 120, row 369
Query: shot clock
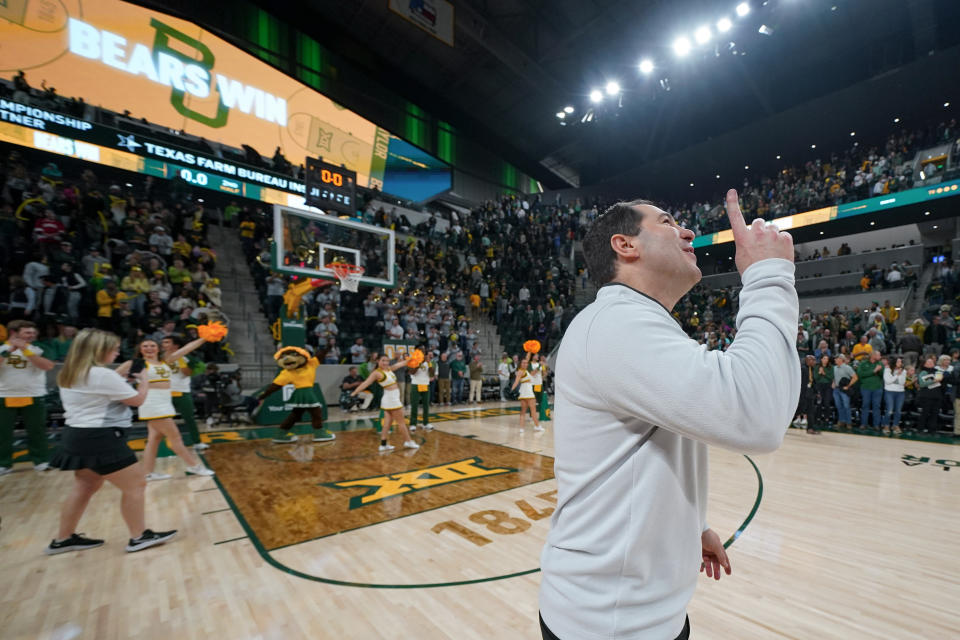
column 330, row 187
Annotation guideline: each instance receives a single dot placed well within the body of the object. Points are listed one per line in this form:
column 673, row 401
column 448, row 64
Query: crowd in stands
column 858, row 373
column 855, row 174
column 78, row 249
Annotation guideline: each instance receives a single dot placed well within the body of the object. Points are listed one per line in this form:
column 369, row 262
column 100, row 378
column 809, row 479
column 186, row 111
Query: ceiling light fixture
column 724, row 25
column 681, row 46
column 646, row 66
column 568, row 109
column 743, row 9
column 702, row 35
column 613, row 88
column 561, row 115
column 596, row 95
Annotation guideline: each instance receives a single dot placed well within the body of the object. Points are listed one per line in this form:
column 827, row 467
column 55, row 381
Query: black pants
column 929, row 413
column 824, row 405
column 548, row 635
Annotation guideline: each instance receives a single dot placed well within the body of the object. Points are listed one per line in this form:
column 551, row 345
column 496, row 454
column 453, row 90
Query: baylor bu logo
column 395, row 484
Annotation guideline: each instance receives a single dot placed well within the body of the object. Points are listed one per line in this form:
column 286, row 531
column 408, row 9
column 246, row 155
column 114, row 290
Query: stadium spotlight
column 561, row 115
column 691, row 184
column 926, row 213
column 646, row 65
column 596, row 95
column 724, row 25
column 613, row 88
column 702, row 34
column 853, row 133
column 718, row 176
column 743, row 9
column 896, row 120
column 568, row 109
column 778, row 157
column 946, row 104
column 746, row 167
column 813, row 146
column 681, row 46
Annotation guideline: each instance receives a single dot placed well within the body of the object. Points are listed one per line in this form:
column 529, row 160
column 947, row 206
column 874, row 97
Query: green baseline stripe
column 756, row 505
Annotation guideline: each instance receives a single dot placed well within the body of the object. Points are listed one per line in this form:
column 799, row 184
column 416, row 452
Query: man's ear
column 625, row 246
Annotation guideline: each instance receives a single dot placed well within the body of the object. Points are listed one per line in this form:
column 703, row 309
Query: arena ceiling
column 517, row 63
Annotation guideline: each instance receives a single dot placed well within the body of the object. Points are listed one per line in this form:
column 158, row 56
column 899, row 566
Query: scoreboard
column 331, row 187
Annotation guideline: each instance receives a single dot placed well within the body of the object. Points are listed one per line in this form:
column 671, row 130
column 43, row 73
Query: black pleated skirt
column 102, row 450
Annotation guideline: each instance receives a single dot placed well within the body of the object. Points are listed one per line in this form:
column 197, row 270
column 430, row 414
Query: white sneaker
column 201, row 446
column 384, row 448
column 410, row 444
column 158, row 476
column 43, row 466
column 5, row 470
column 537, row 427
column 428, row 427
column 199, row 470
column 413, row 428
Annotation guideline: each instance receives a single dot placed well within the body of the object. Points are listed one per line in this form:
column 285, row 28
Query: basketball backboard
column 306, row 241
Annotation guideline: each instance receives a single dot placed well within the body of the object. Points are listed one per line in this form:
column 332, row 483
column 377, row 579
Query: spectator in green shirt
column 178, row 274
column 870, row 374
column 458, row 373
column 56, row 348
column 230, row 212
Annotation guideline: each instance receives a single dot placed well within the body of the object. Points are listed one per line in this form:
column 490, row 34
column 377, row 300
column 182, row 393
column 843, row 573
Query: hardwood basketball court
column 847, row 537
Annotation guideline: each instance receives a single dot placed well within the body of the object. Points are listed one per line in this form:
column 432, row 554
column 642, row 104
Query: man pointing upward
column 638, row 402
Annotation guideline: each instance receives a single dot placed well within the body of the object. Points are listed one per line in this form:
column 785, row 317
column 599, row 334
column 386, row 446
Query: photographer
column 233, row 396
column 351, row 382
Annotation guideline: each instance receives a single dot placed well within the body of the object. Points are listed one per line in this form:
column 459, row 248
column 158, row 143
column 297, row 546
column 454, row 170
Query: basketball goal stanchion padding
column 348, row 274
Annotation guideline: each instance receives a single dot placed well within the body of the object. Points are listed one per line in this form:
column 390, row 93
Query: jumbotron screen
column 170, row 71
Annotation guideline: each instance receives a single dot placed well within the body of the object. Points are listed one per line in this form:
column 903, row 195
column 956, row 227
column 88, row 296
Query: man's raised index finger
column 737, row 224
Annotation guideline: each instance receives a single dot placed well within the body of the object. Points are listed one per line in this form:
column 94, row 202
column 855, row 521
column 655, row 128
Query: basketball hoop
column 348, row 274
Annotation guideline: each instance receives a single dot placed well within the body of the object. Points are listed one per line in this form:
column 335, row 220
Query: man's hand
column 760, row 242
column 714, row 555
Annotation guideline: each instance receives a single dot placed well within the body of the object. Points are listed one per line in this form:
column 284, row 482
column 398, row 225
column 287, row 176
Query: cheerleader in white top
column 527, row 398
column 157, row 411
column 391, row 403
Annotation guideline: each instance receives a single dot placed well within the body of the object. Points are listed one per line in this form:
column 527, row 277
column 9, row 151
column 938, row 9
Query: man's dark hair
column 621, row 218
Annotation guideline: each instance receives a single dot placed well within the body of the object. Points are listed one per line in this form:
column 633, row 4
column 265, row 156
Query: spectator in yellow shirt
column 108, row 300
column 862, row 348
column 890, row 313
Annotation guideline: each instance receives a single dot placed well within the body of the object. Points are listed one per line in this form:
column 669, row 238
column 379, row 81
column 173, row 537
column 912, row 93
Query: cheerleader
column 527, row 398
column 158, row 411
column 391, row 402
column 181, row 371
column 536, row 375
column 93, row 444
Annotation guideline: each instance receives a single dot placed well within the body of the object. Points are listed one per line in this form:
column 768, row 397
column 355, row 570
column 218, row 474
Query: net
column 348, row 275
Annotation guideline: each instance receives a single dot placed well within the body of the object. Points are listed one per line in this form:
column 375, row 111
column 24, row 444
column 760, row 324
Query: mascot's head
column 291, row 358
